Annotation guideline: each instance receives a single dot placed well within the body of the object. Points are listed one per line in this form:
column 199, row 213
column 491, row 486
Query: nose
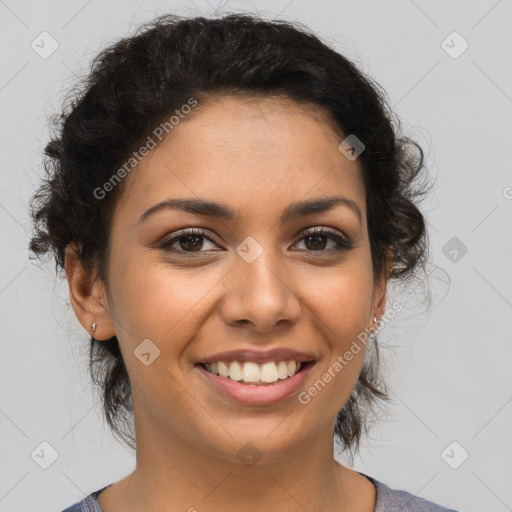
column 259, row 295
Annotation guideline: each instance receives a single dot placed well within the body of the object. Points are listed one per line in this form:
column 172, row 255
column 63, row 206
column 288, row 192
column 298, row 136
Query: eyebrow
column 222, row 211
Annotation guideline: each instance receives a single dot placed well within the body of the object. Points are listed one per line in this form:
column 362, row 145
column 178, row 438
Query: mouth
column 251, row 373
column 250, row 388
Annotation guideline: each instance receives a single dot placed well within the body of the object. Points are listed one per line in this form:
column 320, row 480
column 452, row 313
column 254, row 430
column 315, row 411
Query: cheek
column 341, row 306
column 155, row 300
column 342, row 299
column 341, row 315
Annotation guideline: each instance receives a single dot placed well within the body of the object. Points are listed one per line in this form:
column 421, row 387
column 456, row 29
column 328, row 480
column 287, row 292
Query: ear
column 88, row 296
column 379, row 292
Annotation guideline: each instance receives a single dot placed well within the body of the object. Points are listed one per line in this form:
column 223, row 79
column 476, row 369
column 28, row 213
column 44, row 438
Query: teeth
column 250, row 372
column 223, row 369
column 270, row 373
column 282, row 370
column 254, row 373
column 235, row 371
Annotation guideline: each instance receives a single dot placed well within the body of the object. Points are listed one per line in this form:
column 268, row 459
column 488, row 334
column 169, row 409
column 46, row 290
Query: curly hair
column 139, row 80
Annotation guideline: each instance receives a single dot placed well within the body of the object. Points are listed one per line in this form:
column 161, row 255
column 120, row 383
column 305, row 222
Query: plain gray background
column 448, row 368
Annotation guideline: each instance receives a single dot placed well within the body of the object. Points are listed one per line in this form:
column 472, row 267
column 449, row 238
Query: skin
column 257, row 156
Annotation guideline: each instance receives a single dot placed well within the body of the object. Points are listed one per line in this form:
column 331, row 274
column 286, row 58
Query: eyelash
column 333, row 235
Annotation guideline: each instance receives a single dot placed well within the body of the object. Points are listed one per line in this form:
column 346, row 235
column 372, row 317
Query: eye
column 316, row 239
column 189, row 241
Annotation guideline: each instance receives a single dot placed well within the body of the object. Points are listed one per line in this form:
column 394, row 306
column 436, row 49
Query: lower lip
column 257, row 395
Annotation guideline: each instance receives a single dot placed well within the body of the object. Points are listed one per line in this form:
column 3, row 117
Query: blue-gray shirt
column 388, row 500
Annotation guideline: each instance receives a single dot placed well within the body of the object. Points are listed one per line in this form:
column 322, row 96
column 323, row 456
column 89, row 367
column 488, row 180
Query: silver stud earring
column 93, row 327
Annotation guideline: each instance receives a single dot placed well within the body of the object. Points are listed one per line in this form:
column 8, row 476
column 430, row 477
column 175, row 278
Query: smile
column 254, row 384
column 253, row 373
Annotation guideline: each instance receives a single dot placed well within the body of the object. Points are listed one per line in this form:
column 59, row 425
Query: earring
column 372, row 334
column 93, row 327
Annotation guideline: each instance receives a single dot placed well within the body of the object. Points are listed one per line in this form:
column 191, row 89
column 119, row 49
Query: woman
column 229, row 200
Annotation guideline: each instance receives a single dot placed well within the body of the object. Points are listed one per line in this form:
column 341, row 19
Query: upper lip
column 258, row 356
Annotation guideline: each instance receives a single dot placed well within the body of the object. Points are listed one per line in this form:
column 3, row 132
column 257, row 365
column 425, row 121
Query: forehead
column 248, row 151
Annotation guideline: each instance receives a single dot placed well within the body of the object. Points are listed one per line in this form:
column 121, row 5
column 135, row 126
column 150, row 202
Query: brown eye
column 317, row 240
column 188, row 242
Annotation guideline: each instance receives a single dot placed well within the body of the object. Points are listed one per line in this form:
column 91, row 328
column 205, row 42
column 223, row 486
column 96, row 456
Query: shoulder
column 88, row 504
column 391, row 500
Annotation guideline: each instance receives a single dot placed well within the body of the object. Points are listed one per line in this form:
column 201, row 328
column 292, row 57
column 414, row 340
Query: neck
column 186, row 477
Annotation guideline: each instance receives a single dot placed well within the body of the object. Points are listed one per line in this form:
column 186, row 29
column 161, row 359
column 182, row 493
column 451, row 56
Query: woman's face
column 254, row 281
